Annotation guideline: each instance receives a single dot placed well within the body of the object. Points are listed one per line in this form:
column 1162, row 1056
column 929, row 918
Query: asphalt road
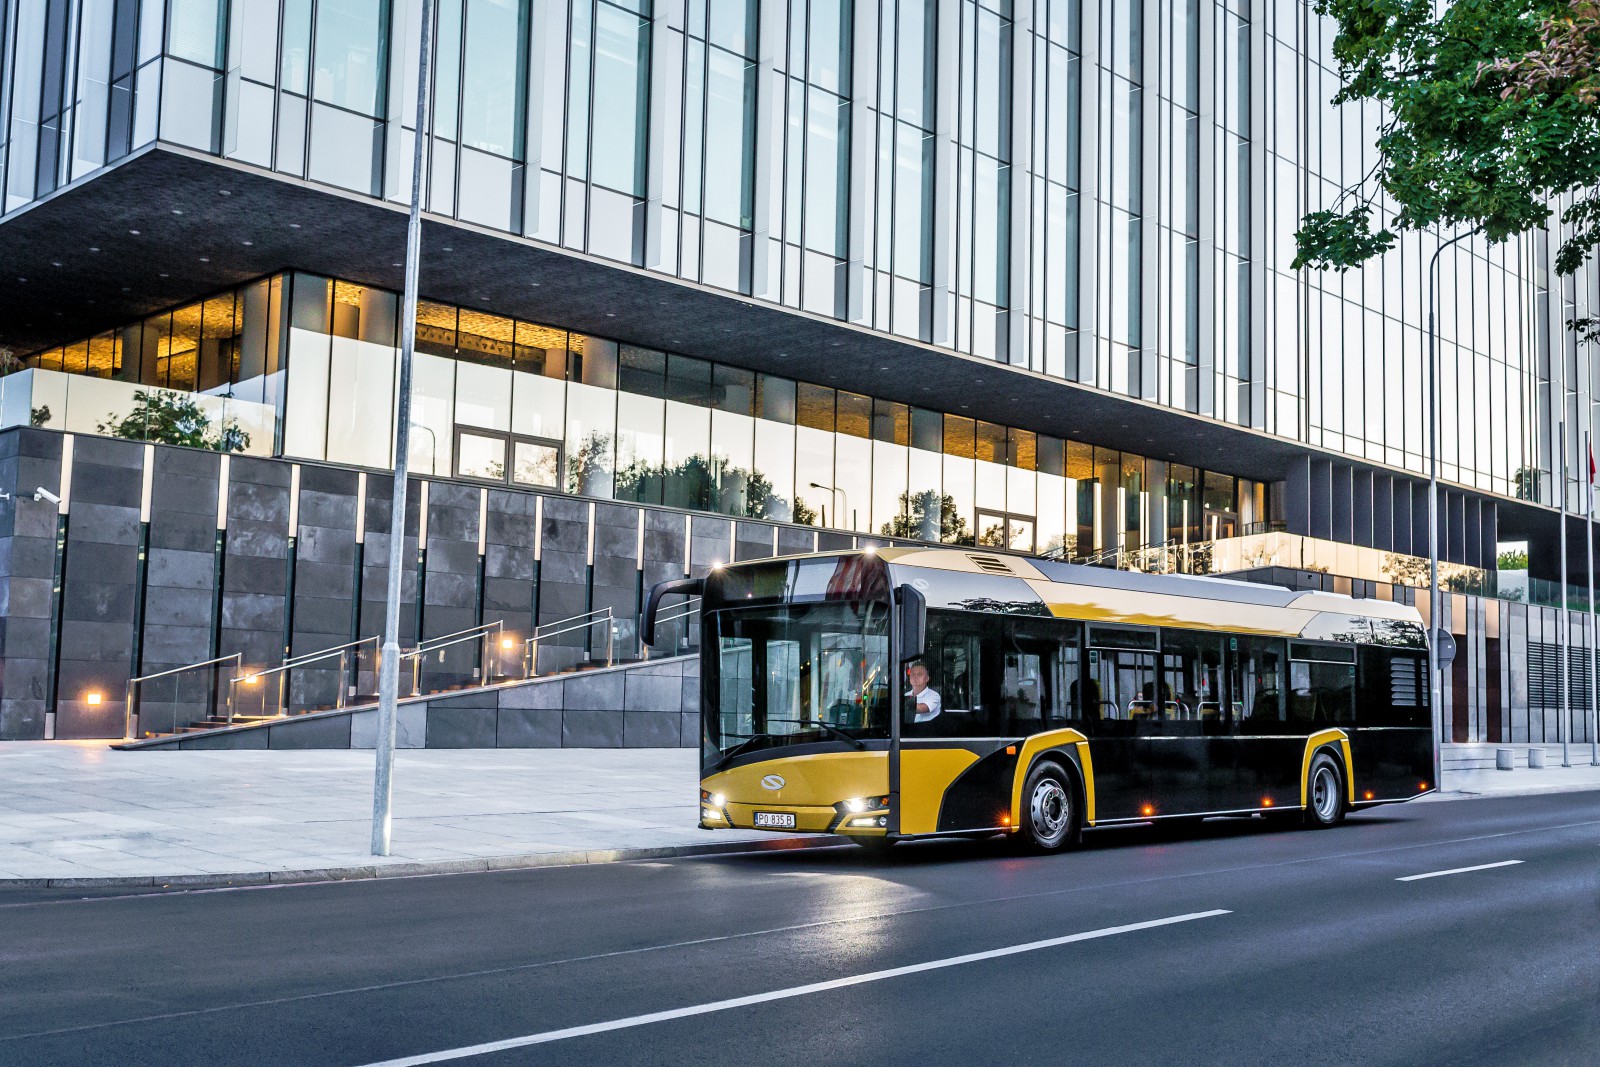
column 1233, row 943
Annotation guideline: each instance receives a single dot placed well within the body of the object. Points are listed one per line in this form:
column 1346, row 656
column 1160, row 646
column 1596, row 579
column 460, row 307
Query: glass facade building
column 1102, row 192
column 1090, row 200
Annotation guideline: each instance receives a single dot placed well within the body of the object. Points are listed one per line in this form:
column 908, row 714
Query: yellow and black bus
column 911, row 693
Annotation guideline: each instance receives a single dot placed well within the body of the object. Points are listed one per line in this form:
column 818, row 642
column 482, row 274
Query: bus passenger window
column 1393, row 688
column 1322, row 682
column 1256, row 684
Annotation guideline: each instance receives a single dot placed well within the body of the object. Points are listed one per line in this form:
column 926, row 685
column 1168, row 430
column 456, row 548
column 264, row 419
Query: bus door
column 1119, row 699
column 1190, row 749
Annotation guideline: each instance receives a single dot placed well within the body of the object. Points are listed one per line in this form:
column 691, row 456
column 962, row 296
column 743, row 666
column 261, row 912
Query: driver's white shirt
column 929, row 697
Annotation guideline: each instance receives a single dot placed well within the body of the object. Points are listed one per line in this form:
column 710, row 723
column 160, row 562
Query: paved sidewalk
column 1554, row 778
column 78, row 810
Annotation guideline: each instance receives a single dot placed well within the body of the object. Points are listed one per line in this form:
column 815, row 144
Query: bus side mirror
column 911, row 622
column 685, row 586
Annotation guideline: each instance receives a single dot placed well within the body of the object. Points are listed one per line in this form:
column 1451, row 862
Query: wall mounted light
column 93, row 699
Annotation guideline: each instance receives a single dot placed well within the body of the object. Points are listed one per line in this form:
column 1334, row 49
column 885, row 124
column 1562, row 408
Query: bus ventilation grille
column 991, row 564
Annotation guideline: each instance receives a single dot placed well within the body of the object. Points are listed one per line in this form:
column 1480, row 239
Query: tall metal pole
column 389, row 663
column 1435, row 621
column 1588, row 540
column 1564, row 629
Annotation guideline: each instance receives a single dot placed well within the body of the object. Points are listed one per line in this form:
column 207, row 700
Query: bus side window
column 1256, row 684
column 1393, row 688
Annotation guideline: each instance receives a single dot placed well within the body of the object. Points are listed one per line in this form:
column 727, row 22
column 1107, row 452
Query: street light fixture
column 1435, row 693
column 389, row 661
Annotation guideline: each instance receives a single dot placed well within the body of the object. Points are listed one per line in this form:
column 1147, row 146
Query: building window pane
column 478, row 456
column 351, row 54
column 620, row 115
column 495, row 77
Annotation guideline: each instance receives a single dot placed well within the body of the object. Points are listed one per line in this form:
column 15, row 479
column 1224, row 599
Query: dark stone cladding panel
column 179, row 607
column 181, row 494
column 103, row 524
column 520, row 727
column 105, row 451
column 508, row 561
column 189, row 533
column 99, row 483
column 326, row 544
column 332, row 731
column 793, row 540
column 452, row 524
column 452, row 726
column 174, row 569
column 452, row 557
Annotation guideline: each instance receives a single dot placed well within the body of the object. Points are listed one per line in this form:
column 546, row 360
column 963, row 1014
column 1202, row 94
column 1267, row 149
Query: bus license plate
column 777, row 820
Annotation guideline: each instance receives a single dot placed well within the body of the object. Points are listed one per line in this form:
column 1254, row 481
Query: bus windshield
column 797, row 674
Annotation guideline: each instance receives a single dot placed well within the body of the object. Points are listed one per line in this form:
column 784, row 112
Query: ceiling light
column 247, row 243
column 134, row 232
column 55, row 263
column 205, row 259
column 92, row 248
column 294, row 225
column 177, row 211
column 224, row 192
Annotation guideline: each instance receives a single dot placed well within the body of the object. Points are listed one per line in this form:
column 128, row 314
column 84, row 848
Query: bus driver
column 928, row 703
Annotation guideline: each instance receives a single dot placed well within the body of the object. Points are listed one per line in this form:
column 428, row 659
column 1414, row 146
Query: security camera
column 42, row 493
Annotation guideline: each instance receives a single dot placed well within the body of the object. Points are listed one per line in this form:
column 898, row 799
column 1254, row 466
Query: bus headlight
column 858, row 805
column 716, row 800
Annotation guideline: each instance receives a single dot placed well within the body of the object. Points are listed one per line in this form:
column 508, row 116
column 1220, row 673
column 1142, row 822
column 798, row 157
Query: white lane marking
column 1458, row 870
column 782, row 994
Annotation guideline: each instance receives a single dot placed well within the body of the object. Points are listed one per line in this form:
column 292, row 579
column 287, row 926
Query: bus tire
column 1049, row 808
column 1324, row 793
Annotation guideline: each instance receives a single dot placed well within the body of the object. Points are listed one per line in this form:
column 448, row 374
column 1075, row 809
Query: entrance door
column 1119, row 696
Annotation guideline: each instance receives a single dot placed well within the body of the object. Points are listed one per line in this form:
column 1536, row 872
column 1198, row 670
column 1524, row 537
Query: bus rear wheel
column 1324, row 793
column 1049, row 808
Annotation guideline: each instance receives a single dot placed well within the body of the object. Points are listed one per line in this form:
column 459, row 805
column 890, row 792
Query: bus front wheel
column 1324, row 793
column 1049, row 808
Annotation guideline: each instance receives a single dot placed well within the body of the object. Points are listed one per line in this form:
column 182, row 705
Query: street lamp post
column 1435, row 688
column 389, row 663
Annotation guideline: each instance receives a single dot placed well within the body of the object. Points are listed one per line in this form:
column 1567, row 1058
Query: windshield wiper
column 829, row 727
column 735, row 750
column 854, row 742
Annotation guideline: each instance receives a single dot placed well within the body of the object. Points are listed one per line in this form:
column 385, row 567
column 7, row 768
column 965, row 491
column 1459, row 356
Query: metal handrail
column 294, row 663
column 179, row 670
column 310, row 656
column 129, row 714
column 454, row 638
column 588, row 620
column 434, row 644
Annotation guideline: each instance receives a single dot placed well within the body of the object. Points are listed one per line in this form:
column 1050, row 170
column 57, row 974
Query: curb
column 360, row 872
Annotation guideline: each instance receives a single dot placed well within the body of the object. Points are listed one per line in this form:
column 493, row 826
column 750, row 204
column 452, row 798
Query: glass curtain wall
column 1053, row 51
column 1199, row 113
column 1177, row 108
column 596, row 118
column 907, row 69
column 479, row 121
column 296, row 365
column 983, row 179
column 719, row 143
column 1121, row 304
column 816, row 153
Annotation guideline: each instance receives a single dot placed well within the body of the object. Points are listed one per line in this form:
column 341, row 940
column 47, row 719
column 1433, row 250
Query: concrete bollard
column 1536, row 758
column 1505, row 759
